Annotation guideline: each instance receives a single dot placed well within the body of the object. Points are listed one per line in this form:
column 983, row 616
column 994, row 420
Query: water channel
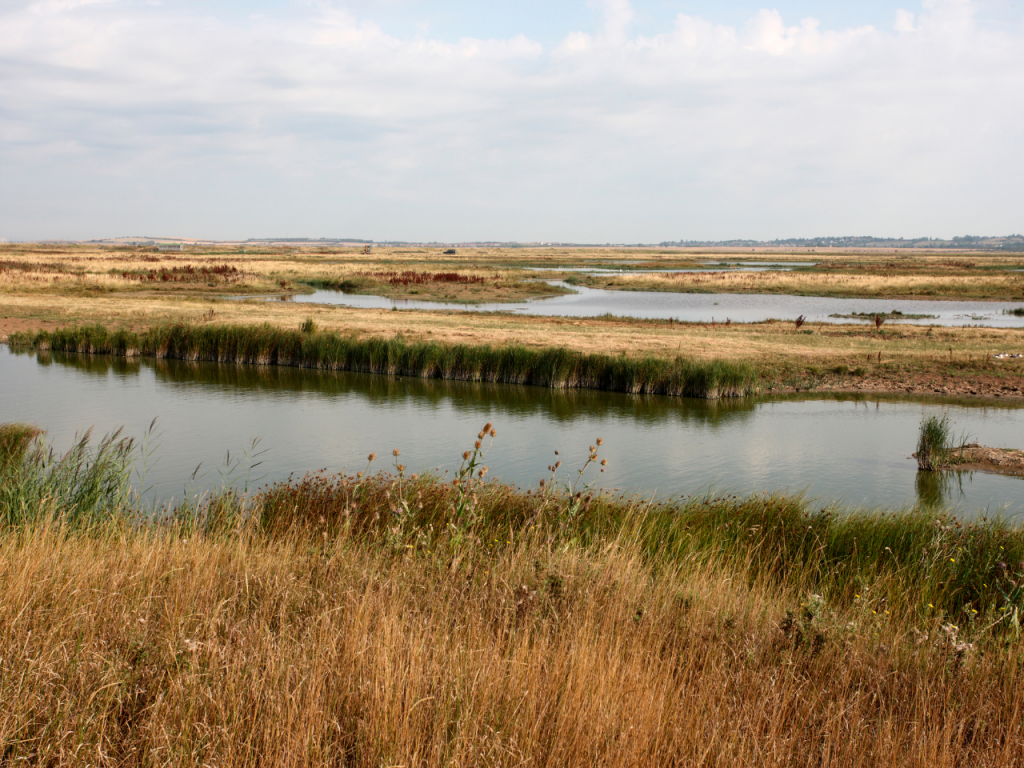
column 703, row 307
column 854, row 449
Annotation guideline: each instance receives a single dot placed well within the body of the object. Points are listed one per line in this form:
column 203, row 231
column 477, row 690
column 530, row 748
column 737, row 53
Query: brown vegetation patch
column 408, row 278
column 187, row 274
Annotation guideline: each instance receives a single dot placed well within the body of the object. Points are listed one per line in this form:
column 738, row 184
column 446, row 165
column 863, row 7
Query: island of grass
column 894, row 314
column 938, row 450
column 449, row 287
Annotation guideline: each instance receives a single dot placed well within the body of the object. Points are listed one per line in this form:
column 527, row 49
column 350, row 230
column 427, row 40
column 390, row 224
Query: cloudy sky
column 449, row 120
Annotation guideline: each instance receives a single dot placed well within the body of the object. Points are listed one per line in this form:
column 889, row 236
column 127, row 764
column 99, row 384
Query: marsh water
column 854, row 449
column 704, row 307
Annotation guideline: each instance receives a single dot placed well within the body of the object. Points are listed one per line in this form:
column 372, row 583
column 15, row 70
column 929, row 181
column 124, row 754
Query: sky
column 513, row 120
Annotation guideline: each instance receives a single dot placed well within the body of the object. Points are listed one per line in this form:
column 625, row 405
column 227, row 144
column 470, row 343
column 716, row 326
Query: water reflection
column 851, row 448
column 937, row 491
column 468, row 397
column 696, row 307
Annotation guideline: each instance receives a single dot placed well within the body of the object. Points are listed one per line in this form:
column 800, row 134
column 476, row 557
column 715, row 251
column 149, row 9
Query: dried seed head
column 359, row 474
column 600, row 441
column 401, row 467
column 604, row 462
column 371, row 457
column 558, row 464
column 465, row 455
column 542, row 483
column 556, row 453
column 494, row 432
column 477, row 444
column 487, row 427
column 394, row 452
column 592, row 449
column 480, row 436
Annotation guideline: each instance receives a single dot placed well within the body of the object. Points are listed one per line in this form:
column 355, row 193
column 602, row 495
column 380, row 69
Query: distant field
column 45, row 287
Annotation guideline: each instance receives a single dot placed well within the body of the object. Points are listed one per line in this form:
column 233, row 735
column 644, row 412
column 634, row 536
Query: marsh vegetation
column 46, row 287
column 384, row 618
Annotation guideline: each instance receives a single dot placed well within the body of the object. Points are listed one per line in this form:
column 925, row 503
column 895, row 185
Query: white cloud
column 904, row 21
column 322, row 122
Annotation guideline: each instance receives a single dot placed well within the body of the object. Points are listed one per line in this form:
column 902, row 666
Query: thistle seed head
column 371, row 457
column 600, row 441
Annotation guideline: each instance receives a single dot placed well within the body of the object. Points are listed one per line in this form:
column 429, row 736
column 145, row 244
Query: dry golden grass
column 135, row 646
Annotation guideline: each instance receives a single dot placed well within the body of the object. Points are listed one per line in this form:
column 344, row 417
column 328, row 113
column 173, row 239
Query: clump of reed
column 936, row 448
column 1016, row 311
column 80, row 486
column 516, row 364
column 367, row 620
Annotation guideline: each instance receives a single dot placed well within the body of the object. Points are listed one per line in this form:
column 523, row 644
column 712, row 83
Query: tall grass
column 80, row 487
column 936, row 447
column 556, row 368
column 388, row 619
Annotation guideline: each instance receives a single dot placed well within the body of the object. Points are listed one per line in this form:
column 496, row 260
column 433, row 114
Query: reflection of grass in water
column 937, row 490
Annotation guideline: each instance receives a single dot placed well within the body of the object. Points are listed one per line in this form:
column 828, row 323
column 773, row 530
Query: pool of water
column 855, row 449
column 701, row 307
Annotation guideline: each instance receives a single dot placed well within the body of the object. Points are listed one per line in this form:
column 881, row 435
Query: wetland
column 854, row 450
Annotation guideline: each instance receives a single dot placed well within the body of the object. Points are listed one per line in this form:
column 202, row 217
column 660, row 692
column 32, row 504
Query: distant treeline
column 974, row 242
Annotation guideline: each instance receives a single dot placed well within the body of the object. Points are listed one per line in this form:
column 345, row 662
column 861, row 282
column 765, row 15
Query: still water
column 852, row 449
column 703, row 307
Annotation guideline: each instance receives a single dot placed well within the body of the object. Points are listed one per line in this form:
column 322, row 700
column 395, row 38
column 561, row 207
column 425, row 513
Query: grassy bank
column 922, row 280
column 385, row 619
column 427, row 285
column 267, row 345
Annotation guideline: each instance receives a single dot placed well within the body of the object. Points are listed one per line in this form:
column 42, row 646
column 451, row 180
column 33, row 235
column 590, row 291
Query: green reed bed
column 267, row 345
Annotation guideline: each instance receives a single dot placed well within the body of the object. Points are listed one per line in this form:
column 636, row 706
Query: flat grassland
column 44, row 287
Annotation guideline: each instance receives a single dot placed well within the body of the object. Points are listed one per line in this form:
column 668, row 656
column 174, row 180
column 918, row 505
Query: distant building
column 171, row 247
